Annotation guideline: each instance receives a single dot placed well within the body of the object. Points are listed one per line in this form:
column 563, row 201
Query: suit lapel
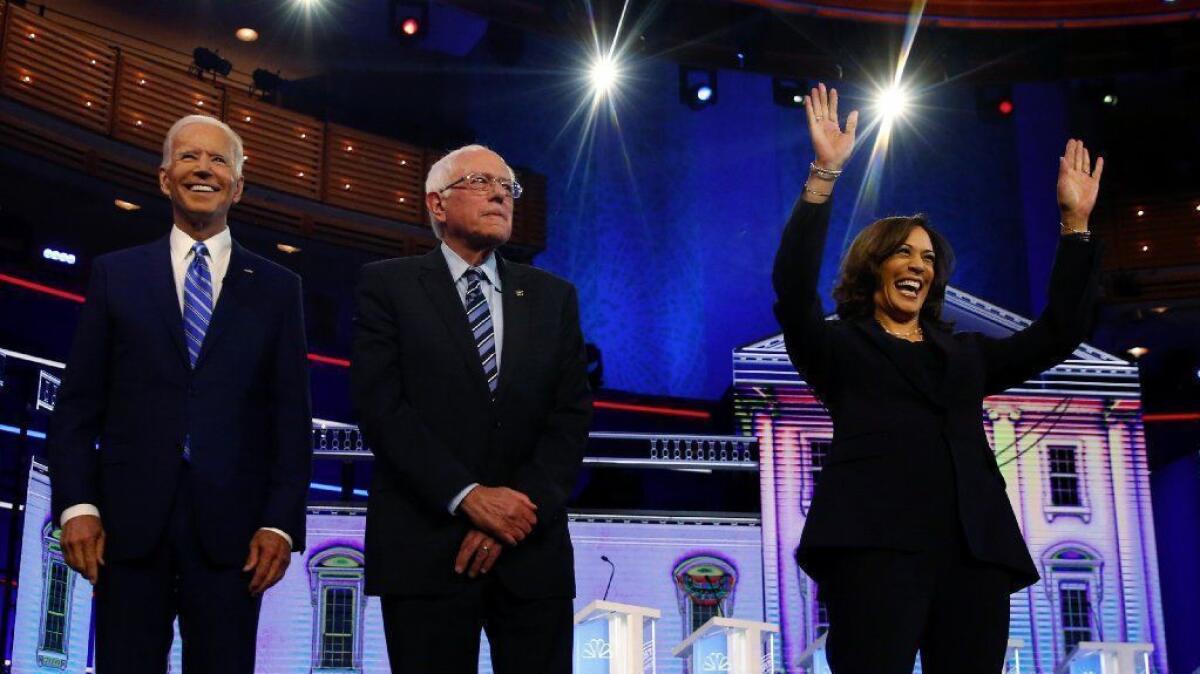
column 239, row 278
column 517, row 329
column 439, row 287
column 164, row 293
column 908, row 367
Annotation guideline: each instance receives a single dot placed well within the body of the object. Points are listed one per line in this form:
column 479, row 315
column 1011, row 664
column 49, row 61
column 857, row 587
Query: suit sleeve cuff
column 457, row 500
column 281, row 532
column 76, row 511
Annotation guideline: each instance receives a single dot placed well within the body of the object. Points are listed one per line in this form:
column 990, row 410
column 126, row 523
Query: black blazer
column 425, row 409
column 245, row 408
column 891, row 423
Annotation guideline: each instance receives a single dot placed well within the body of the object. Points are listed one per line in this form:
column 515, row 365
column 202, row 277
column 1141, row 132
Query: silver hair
column 440, row 175
column 239, row 154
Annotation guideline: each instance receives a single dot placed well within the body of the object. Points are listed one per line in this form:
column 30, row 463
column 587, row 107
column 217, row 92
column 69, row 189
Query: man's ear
column 433, row 204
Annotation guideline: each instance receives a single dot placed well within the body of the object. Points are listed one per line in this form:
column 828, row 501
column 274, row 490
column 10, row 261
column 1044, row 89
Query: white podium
column 812, row 660
column 1108, row 657
column 612, row 638
column 730, row 645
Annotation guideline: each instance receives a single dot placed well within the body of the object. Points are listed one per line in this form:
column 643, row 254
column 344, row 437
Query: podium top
column 717, row 623
column 601, row 606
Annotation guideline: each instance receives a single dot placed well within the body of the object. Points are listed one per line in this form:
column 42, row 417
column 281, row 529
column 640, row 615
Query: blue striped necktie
column 480, row 318
column 197, row 301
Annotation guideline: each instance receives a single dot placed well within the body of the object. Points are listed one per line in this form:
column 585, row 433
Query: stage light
column 409, row 19
column 994, row 103
column 604, row 74
column 1110, row 100
column 892, row 102
column 789, row 92
column 266, row 82
column 206, row 60
column 1140, row 213
column 58, row 256
column 246, row 34
column 1137, row 351
column 697, row 87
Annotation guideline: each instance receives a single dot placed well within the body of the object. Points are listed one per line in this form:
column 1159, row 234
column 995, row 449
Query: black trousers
column 441, row 634
column 137, row 602
column 885, row 605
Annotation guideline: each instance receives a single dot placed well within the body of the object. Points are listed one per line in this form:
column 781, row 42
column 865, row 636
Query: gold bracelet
column 815, row 193
column 823, row 173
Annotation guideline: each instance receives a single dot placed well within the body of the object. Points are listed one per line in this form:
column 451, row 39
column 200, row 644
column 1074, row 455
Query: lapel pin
column 520, row 293
column 248, row 271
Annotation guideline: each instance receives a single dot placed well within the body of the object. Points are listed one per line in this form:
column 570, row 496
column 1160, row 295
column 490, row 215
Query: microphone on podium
column 610, row 576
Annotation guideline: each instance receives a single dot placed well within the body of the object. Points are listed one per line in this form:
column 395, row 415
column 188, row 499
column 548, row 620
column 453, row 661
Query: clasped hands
column 499, row 516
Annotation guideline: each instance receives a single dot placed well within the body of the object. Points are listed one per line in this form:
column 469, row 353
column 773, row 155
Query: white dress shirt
column 491, row 292
column 220, row 246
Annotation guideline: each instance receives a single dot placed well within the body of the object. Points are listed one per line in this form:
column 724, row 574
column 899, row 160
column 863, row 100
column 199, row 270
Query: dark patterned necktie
column 480, row 318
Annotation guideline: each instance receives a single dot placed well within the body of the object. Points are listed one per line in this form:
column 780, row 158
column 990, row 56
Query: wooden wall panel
column 373, row 174
column 152, row 97
column 283, row 148
column 1167, row 234
column 99, row 84
column 54, row 69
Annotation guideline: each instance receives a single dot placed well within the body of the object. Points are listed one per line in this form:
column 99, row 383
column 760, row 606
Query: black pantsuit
column 911, row 536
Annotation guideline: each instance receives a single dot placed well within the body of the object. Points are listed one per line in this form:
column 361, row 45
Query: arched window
column 1074, row 587
column 335, row 579
column 58, row 582
column 704, row 586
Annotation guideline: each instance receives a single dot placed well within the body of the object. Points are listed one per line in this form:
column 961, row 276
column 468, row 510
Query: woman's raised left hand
column 1078, row 185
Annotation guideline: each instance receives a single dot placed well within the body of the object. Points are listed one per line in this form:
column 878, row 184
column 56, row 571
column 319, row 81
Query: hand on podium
column 504, row 513
column 479, row 551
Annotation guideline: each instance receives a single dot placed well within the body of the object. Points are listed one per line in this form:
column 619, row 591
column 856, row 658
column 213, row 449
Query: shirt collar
column 217, row 244
column 458, row 266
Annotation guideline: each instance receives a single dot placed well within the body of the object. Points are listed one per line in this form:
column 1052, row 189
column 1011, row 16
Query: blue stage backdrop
column 669, row 225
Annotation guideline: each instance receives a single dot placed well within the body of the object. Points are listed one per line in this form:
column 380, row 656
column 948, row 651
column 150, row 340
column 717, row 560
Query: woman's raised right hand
column 831, row 144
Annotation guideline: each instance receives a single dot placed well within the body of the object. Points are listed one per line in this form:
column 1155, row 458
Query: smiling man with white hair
column 470, row 381
column 189, row 370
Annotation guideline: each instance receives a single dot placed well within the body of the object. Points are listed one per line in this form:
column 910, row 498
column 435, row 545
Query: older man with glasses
column 470, row 382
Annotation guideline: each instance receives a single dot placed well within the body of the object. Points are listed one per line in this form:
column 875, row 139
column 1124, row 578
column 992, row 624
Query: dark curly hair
column 859, row 276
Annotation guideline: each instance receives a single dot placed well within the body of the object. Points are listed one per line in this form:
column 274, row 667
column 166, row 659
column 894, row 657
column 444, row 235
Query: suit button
column 496, row 424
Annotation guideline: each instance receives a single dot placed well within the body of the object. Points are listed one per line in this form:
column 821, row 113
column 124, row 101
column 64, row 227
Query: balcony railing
column 98, row 84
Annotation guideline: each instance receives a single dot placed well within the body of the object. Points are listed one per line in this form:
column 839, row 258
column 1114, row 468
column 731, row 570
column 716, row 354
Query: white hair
column 239, row 155
column 442, row 172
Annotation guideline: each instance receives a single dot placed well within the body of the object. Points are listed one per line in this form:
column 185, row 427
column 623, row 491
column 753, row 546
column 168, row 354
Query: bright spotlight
column 892, row 102
column 703, row 93
column 604, row 74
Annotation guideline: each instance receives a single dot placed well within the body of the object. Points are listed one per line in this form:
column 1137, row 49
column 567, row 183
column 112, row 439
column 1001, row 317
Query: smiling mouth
column 202, row 189
column 910, row 288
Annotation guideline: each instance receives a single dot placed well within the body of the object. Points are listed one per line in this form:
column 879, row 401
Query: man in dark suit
column 189, row 369
column 471, row 385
